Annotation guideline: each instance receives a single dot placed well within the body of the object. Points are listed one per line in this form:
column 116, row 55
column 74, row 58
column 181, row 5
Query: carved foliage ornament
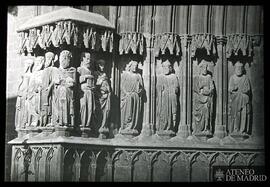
column 206, row 41
column 68, row 32
column 238, row 42
column 167, row 41
column 131, row 41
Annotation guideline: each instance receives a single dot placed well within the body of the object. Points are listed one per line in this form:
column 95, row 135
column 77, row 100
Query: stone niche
column 97, row 105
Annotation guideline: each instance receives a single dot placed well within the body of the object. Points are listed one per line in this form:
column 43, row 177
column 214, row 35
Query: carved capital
column 239, row 42
column 131, row 41
column 167, row 41
column 221, row 40
column 205, row 40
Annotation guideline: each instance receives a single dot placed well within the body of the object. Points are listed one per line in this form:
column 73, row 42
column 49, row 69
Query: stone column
column 220, row 128
column 147, row 125
column 184, row 129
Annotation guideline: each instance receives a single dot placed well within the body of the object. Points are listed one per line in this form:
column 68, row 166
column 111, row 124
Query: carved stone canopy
column 67, row 26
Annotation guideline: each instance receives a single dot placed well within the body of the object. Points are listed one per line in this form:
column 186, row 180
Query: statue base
column 47, row 130
column 183, row 131
column 21, row 132
column 129, row 133
column 103, row 133
column 239, row 136
column 62, row 131
column 85, row 131
column 166, row 134
column 32, row 131
column 203, row 136
column 220, row 131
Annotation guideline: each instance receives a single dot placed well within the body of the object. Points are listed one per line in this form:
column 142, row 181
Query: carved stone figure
column 239, row 102
column 47, row 89
column 167, row 95
column 203, row 90
column 65, row 80
column 104, row 98
column 87, row 98
column 131, row 99
column 34, row 93
column 21, row 105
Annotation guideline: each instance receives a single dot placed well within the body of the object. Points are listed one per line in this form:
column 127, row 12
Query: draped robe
column 239, row 104
column 167, row 89
column 131, row 100
column 203, row 103
column 87, row 98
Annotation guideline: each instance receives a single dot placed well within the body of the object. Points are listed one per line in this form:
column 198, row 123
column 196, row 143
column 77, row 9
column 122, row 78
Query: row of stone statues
column 46, row 97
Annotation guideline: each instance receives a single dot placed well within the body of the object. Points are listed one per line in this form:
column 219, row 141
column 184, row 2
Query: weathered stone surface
column 65, row 111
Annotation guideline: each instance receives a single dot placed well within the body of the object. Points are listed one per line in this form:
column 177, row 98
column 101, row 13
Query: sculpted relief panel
column 79, row 100
column 102, row 98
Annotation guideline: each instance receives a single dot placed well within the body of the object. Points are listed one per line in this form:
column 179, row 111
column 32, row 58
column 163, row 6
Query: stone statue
column 47, row 89
column 203, row 90
column 104, row 98
column 21, row 105
column 87, row 98
column 65, row 80
column 34, row 93
column 131, row 99
column 167, row 104
column 239, row 102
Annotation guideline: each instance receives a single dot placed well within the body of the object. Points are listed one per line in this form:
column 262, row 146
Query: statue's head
column 203, row 67
column 65, row 58
column 86, row 59
column 167, row 67
column 49, row 58
column 239, row 69
column 101, row 64
column 133, row 66
column 29, row 62
column 39, row 63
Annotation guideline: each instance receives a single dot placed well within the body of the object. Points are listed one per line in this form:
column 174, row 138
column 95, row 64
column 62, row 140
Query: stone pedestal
column 203, row 136
column 166, row 134
column 129, row 133
column 220, row 131
column 21, row 132
column 32, row 131
column 103, row 133
column 57, row 159
column 183, row 131
column 62, row 131
column 239, row 136
column 47, row 130
column 85, row 132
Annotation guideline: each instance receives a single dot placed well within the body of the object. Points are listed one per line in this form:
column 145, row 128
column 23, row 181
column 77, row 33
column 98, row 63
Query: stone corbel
column 167, row 41
column 132, row 41
column 238, row 42
column 205, row 40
